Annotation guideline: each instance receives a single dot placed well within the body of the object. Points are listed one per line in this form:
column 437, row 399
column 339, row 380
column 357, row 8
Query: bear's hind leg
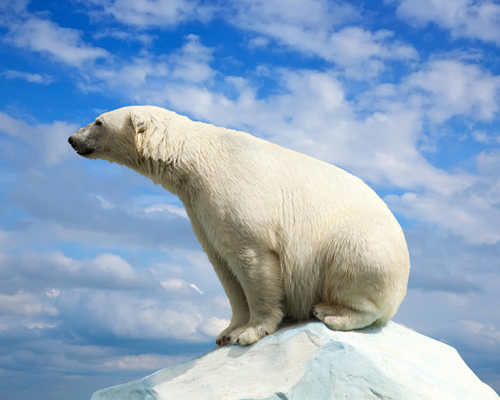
column 341, row 318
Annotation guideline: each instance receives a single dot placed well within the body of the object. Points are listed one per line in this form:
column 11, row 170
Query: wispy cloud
column 458, row 88
column 57, row 271
column 25, row 304
column 145, row 13
column 144, row 38
column 61, row 44
column 322, row 32
column 463, row 18
column 42, row 79
column 48, row 139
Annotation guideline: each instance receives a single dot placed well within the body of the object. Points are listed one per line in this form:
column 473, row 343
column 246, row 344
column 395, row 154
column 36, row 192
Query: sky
column 102, row 280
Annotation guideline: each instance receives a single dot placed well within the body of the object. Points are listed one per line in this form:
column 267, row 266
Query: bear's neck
column 177, row 156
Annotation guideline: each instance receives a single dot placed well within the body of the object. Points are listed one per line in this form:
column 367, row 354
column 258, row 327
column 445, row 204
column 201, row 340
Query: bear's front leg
column 259, row 274
column 235, row 294
column 239, row 307
column 233, row 289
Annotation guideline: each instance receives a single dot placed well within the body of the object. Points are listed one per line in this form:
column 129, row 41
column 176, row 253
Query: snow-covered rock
column 310, row 361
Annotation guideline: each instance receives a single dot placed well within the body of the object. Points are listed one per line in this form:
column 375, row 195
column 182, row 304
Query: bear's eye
column 98, row 122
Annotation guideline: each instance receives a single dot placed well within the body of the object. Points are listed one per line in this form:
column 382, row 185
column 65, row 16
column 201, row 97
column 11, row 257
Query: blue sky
column 101, row 278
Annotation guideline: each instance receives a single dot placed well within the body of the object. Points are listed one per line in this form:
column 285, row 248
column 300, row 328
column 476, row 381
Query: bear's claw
column 248, row 334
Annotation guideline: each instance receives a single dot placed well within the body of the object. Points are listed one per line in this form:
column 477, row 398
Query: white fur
column 288, row 235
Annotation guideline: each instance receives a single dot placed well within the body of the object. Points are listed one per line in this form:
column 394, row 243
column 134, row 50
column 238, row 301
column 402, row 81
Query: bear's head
column 113, row 136
column 148, row 139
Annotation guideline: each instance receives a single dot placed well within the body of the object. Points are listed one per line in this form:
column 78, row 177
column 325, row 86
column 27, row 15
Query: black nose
column 71, row 140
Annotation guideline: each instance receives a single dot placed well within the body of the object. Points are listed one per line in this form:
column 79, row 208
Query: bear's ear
column 140, row 125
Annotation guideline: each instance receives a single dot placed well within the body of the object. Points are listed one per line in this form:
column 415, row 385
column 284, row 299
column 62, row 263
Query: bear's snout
column 79, row 146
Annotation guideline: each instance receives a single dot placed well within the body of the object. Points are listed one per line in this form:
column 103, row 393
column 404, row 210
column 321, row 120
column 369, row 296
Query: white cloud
column 13, row 7
column 127, row 36
column 25, row 304
column 52, row 292
column 359, row 53
column 476, row 19
column 48, row 140
column 442, row 89
column 258, row 42
column 66, row 209
column 133, row 75
column 14, row 127
column 63, row 44
column 452, row 279
column 214, row 326
column 117, row 269
column 457, row 89
column 173, row 284
column 488, row 164
column 285, row 19
column 5, row 242
column 54, row 138
column 191, row 63
column 126, row 316
column 485, row 138
column 153, row 13
column 472, row 213
column 105, row 271
column 463, row 203
column 484, row 332
column 192, row 285
column 166, row 207
column 42, row 79
column 105, row 204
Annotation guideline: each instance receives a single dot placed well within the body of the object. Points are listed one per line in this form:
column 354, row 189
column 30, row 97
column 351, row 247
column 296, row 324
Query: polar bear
column 288, row 235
